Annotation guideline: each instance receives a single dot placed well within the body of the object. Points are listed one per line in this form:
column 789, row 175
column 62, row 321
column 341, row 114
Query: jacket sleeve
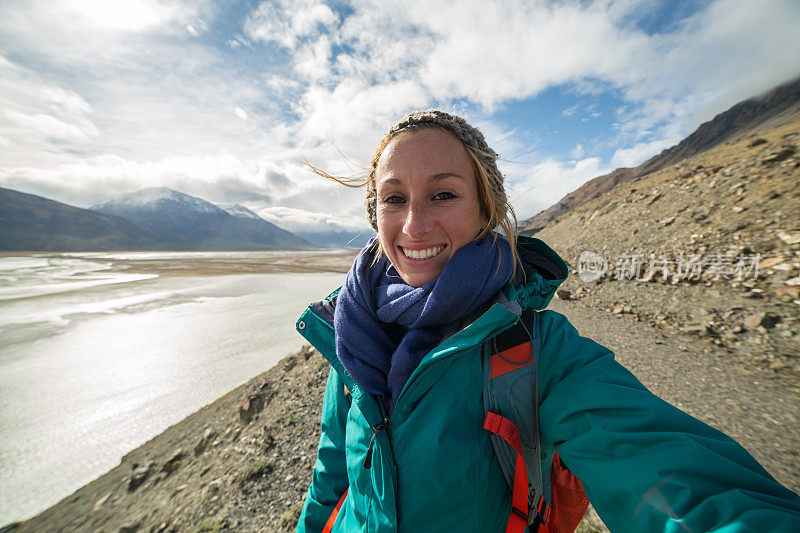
column 329, row 479
column 646, row 465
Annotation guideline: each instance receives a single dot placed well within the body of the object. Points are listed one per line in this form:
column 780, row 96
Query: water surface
column 94, row 362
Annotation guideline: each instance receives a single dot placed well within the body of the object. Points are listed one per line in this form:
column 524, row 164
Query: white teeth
column 423, row 254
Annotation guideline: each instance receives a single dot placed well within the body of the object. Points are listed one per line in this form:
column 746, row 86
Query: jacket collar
column 543, row 270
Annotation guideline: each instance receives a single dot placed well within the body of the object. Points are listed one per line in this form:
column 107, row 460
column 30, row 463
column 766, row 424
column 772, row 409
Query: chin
column 418, row 279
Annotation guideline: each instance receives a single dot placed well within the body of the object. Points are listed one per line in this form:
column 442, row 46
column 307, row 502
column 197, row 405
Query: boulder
column 139, row 475
column 564, row 294
column 171, row 464
column 253, row 400
column 763, row 319
column 777, row 157
column 204, row 441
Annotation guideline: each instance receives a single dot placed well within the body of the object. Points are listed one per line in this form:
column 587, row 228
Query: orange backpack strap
column 549, row 500
column 334, row 513
column 503, row 427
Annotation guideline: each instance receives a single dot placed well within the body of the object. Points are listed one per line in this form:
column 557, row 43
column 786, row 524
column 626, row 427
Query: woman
column 403, row 446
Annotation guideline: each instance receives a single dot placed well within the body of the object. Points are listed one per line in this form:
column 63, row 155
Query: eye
column 444, row 195
column 394, row 199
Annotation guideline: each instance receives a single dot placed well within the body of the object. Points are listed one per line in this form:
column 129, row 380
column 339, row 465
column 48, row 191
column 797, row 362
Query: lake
column 96, row 359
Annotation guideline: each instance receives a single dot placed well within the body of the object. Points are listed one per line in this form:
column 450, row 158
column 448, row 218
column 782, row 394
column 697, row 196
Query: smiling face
column 428, row 204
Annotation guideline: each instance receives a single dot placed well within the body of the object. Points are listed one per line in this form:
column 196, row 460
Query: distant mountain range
column 151, row 219
column 743, row 118
column 338, row 239
column 30, row 222
column 186, row 222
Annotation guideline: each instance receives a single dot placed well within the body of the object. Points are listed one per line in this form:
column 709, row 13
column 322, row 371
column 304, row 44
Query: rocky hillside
column 750, row 116
column 709, row 246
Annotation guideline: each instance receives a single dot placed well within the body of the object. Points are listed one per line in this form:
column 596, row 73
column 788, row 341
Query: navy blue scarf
column 384, row 327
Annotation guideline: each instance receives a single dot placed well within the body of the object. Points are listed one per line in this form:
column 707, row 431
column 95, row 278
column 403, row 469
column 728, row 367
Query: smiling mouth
column 423, row 254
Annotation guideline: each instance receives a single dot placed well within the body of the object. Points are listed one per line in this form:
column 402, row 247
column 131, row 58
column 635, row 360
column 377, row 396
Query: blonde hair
column 493, row 202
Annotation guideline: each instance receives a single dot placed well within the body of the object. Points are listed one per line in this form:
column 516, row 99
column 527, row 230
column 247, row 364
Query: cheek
column 473, row 220
column 386, row 229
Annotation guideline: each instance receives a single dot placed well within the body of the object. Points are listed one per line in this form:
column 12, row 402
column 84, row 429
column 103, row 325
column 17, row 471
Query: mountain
column 240, row 211
column 186, row 222
column 338, row 238
column 30, row 222
column 257, row 228
column 746, row 117
column 709, row 246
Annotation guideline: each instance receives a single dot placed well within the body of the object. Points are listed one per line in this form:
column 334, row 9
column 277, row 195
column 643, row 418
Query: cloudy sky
column 225, row 99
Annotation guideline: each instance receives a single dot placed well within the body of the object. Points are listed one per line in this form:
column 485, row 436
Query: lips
column 424, row 253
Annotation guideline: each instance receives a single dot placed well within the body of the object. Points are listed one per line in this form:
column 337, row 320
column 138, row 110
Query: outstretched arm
column 646, row 465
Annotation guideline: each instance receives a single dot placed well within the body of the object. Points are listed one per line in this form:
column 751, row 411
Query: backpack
column 549, row 501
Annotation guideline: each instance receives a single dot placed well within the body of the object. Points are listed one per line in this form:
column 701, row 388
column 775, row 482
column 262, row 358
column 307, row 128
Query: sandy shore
column 222, row 263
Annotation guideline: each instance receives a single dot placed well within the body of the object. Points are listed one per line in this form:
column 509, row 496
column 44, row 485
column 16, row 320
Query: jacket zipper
column 384, row 424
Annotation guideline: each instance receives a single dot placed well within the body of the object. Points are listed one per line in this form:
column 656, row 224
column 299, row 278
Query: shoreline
column 220, row 263
column 163, row 484
column 215, row 269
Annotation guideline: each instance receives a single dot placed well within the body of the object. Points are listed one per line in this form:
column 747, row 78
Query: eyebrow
column 436, row 177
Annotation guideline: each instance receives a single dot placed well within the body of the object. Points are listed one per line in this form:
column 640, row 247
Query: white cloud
column 286, row 22
column 535, row 187
column 490, row 53
column 47, row 127
column 37, row 116
column 638, row 154
column 493, row 52
column 294, row 219
column 354, row 112
column 220, row 178
column 121, row 15
column 312, row 61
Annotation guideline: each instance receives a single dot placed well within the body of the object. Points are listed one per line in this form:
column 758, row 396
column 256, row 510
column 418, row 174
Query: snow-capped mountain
column 239, row 211
column 186, row 222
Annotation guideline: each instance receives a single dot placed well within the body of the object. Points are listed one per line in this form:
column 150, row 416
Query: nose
column 418, row 220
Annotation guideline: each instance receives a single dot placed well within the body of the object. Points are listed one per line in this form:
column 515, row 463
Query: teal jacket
column 645, row 465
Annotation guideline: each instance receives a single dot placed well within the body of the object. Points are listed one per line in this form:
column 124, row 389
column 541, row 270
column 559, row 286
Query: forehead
column 423, row 153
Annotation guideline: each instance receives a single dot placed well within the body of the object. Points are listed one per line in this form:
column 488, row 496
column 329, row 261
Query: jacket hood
column 534, row 284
